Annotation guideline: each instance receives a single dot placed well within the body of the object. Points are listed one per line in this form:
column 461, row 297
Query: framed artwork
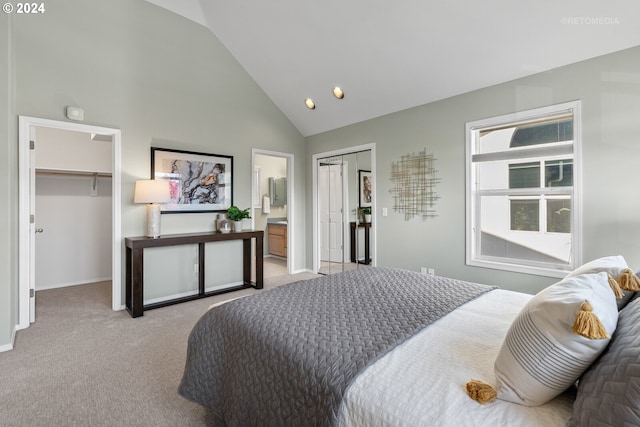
column 365, row 188
column 199, row 182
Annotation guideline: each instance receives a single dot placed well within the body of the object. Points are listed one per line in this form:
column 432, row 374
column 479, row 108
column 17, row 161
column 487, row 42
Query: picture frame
column 365, row 188
column 199, row 182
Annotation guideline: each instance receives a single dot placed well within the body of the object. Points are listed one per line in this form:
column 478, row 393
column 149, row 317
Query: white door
column 330, row 211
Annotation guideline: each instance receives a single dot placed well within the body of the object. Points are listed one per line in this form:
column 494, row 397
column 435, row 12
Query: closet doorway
column 343, row 192
column 69, row 218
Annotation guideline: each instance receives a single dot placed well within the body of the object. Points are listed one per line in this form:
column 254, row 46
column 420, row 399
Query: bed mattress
column 422, row 381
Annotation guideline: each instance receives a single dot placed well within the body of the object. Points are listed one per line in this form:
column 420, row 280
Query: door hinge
column 32, row 293
column 32, row 145
column 32, row 219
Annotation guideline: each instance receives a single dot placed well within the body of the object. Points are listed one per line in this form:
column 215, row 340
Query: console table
column 135, row 256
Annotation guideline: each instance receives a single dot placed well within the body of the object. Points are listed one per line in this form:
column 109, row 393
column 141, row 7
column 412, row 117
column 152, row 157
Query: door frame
column 25, row 228
column 314, row 161
column 291, row 252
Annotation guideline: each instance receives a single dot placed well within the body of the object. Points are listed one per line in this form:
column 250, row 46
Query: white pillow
column 614, row 266
column 541, row 356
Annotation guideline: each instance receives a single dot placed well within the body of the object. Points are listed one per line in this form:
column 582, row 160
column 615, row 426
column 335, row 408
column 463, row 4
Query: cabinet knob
column 39, row 230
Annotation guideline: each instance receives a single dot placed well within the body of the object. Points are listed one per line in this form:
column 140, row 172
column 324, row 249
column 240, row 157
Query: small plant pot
column 237, row 225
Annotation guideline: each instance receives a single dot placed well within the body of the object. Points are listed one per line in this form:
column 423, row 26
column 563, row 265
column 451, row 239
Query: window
column 522, row 191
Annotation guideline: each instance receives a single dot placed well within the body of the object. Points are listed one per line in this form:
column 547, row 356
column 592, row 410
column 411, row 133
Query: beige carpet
column 82, row 364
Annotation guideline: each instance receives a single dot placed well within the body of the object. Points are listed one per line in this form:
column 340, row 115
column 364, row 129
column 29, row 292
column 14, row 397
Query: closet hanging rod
column 72, row 173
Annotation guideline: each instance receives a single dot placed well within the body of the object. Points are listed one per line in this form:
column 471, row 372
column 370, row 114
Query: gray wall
column 609, row 88
column 162, row 79
column 75, row 247
column 8, row 189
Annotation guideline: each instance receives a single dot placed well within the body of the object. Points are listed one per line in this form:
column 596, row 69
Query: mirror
column 343, row 237
column 278, row 191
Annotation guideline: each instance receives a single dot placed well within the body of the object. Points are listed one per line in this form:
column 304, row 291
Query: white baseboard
column 7, row 347
column 76, row 283
column 304, row 270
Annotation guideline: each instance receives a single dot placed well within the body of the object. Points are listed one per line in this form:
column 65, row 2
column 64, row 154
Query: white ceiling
column 392, row 55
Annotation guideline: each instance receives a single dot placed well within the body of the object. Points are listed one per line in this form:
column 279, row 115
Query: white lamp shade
column 152, row 191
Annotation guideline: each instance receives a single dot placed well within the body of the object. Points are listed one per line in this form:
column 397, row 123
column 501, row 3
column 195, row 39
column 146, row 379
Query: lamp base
column 153, row 220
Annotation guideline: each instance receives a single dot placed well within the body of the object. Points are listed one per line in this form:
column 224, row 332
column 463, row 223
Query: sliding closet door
column 341, row 232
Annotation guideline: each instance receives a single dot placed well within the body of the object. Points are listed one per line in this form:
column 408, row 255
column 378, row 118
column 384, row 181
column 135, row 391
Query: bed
column 371, row 347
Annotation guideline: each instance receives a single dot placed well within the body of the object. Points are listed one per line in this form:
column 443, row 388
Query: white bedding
column 422, row 382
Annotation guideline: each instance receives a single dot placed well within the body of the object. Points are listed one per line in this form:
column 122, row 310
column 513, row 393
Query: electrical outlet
column 431, row 272
column 423, row 270
column 195, row 268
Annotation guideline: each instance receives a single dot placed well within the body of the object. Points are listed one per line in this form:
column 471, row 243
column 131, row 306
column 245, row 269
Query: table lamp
column 153, row 192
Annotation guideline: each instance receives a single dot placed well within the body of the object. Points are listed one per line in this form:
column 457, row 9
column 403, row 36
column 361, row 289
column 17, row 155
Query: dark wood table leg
column 201, row 263
column 136, row 295
column 128, row 278
column 246, row 261
column 353, row 242
column 259, row 263
column 367, row 236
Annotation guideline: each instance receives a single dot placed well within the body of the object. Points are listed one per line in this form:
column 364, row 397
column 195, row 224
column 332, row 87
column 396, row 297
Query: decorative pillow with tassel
column 621, row 278
column 554, row 339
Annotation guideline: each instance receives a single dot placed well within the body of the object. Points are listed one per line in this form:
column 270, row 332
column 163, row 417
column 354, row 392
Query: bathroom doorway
column 271, row 209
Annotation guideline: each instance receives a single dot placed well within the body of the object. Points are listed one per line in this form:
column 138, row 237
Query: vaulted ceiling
column 388, row 55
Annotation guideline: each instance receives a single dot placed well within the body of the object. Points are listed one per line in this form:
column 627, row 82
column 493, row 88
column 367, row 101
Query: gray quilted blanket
column 286, row 356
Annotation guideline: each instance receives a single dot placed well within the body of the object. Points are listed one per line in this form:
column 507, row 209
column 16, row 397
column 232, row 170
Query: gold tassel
column 587, row 323
column 481, row 392
column 629, row 281
column 615, row 288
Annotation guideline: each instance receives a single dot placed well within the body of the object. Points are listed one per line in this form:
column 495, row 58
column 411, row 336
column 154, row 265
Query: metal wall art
column 414, row 178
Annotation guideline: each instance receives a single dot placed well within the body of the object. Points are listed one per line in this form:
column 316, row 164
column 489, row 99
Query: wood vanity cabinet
column 278, row 239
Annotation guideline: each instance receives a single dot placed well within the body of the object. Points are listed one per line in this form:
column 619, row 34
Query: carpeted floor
column 82, row 364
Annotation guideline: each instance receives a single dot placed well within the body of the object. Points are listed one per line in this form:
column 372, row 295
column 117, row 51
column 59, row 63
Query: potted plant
column 236, row 215
column 366, row 213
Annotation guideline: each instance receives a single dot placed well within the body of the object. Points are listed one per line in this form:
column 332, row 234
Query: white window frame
column 473, row 220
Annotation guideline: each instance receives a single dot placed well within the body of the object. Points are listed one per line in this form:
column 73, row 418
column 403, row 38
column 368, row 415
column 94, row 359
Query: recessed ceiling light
column 310, row 104
column 338, row 93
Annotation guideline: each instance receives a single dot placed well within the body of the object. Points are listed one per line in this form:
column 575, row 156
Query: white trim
column 25, row 124
column 314, row 178
column 291, row 231
column 471, row 190
column 7, row 347
column 75, row 283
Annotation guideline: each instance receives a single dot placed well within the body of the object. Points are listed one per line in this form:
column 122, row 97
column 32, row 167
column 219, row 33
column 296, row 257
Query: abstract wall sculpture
column 414, row 189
